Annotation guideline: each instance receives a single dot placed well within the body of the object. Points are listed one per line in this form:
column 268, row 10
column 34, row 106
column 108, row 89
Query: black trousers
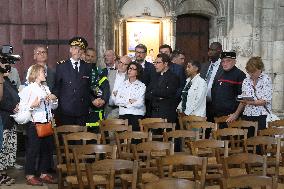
column 38, row 150
column 261, row 123
column 132, row 120
column 73, row 120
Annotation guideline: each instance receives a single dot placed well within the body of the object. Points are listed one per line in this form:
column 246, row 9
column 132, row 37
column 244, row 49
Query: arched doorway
column 192, row 36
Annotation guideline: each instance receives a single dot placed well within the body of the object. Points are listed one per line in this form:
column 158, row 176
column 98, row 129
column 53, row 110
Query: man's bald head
column 123, row 63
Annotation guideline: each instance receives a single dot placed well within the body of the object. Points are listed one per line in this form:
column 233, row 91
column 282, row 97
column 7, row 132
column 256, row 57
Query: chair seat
column 237, row 172
column 183, row 174
column 97, row 179
column 146, row 177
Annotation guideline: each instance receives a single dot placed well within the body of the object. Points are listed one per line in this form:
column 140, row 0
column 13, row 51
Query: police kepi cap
column 231, row 55
column 79, row 42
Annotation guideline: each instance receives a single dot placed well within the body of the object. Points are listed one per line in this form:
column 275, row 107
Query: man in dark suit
column 148, row 68
column 211, row 71
column 72, row 85
column 162, row 90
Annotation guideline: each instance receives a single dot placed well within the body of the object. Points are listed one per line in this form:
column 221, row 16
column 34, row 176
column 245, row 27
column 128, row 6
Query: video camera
column 7, row 57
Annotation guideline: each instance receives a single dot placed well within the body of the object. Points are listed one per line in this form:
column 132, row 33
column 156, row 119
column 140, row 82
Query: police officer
column 100, row 92
column 228, row 86
column 72, row 85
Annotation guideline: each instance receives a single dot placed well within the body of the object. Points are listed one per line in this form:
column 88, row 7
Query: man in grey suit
column 116, row 79
column 211, row 71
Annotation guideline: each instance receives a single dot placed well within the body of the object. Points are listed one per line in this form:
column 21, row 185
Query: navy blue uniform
column 73, row 92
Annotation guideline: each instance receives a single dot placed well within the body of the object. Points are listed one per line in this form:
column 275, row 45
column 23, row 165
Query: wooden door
column 27, row 23
column 192, row 36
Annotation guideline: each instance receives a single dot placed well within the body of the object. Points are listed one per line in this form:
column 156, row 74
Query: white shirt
column 263, row 91
column 127, row 91
column 196, row 97
column 214, row 71
column 118, row 82
column 28, row 96
column 73, row 64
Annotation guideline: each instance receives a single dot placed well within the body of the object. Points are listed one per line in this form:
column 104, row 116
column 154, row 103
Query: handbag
column 44, row 129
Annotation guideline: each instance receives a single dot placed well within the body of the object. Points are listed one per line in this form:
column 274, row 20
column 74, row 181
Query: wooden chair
column 109, row 130
column 201, row 126
column 156, row 129
column 126, row 170
column 147, row 154
column 90, row 152
column 113, row 122
column 220, row 120
column 124, row 140
column 167, row 183
column 242, row 124
column 277, row 123
column 234, row 135
column 60, row 155
column 185, row 120
column 214, row 150
column 177, row 166
column 185, row 136
column 242, row 163
column 251, row 181
column 150, row 120
column 265, row 145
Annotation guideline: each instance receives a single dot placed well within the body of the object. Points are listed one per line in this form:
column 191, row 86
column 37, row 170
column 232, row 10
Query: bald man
column 116, row 78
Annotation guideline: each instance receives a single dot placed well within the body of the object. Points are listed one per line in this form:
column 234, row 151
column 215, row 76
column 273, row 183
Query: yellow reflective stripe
column 101, row 115
column 102, row 80
column 96, row 124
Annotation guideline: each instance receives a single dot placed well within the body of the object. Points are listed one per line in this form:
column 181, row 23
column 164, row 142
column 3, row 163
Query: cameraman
column 8, row 106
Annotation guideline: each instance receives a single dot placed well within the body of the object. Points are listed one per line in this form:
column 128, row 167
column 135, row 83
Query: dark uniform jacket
column 225, row 91
column 73, row 89
column 161, row 93
column 148, row 72
column 179, row 71
column 8, row 103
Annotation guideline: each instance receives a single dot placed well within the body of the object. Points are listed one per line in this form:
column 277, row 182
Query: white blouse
column 127, row 91
column 263, row 91
column 28, row 96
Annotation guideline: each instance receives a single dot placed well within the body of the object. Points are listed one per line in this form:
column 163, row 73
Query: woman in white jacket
column 39, row 99
column 130, row 96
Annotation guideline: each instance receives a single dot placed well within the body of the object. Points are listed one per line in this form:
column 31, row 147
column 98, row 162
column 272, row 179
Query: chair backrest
column 113, row 122
column 125, row 139
column 183, row 160
column 156, row 129
column 242, row 124
column 272, row 131
column 184, row 135
column 106, row 132
column 119, row 166
column 201, row 126
column 241, row 164
column 167, row 183
column 268, row 146
column 220, row 120
column 58, row 138
column 251, row 181
column 236, row 137
column 277, row 123
column 91, row 152
column 74, row 139
column 184, row 120
column 150, row 120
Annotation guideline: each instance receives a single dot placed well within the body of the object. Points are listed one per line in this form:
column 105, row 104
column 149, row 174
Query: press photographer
column 8, row 106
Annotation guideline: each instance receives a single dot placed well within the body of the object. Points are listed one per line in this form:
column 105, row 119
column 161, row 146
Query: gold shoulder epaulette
column 61, row 61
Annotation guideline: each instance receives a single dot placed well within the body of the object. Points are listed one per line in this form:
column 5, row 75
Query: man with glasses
column 148, row 68
column 116, row 79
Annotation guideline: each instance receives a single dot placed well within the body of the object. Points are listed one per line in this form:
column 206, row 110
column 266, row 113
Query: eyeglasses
column 41, row 52
column 132, row 68
column 140, row 52
column 157, row 62
column 123, row 63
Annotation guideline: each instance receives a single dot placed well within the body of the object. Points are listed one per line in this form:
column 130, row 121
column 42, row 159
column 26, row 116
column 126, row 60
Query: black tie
column 76, row 67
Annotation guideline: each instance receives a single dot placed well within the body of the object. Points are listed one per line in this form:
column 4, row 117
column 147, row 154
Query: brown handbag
column 44, row 129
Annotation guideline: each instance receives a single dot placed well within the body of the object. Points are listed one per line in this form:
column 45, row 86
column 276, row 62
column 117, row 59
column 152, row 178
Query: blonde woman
column 38, row 97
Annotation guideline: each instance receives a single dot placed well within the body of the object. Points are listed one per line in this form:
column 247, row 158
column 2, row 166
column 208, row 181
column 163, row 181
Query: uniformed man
column 72, row 85
column 227, row 87
column 100, row 92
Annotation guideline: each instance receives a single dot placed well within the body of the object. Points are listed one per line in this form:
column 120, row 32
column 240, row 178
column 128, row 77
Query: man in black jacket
column 72, row 85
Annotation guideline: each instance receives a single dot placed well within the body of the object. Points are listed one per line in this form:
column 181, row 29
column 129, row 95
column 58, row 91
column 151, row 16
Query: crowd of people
column 83, row 93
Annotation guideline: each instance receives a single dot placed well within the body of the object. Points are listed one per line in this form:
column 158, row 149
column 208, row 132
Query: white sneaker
column 17, row 166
